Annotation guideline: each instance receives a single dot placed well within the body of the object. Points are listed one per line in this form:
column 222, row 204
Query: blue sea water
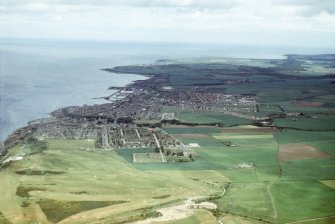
column 39, row 76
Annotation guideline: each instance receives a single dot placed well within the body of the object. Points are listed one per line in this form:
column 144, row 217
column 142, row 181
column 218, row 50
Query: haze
column 280, row 22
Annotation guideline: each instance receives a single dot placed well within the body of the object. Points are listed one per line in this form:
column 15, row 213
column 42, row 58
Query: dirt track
column 181, row 211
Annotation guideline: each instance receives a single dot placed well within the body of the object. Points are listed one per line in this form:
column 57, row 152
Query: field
column 316, row 198
column 252, row 200
column 300, row 151
column 211, row 118
column 261, row 187
column 316, row 123
column 108, row 186
column 269, row 108
column 283, row 174
column 147, row 158
column 100, row 184
column 201, row 216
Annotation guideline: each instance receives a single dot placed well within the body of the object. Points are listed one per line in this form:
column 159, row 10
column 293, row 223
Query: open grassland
column 302, row 200
column 200, row 217
column 3, row 219
column 250, row 200
column 236, row 219
column 240, row 175
column 102, row 181
column 107, row 187
column 51, row 208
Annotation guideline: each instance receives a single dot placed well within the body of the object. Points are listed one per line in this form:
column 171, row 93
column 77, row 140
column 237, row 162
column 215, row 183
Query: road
column 104, row 135
column 160, row 151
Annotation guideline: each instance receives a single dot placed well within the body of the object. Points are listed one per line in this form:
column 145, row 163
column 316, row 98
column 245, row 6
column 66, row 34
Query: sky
column 280, row 22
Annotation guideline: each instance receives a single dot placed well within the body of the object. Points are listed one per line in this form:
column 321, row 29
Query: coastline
column 39, row 120
column 115, row 108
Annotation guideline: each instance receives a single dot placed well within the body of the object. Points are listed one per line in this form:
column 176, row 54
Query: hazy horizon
column 305, row 23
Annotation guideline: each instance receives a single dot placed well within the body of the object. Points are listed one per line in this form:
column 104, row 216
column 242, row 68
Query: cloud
column 319, row 5
column 304, row 8
column 184, row 20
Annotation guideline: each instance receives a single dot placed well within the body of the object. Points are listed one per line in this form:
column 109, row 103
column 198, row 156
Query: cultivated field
column 299, row 151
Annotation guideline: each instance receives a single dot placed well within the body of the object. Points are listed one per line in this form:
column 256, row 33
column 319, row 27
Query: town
column 133, row 117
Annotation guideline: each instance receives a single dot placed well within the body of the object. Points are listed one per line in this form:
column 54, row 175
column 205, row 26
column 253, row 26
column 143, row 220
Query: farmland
column 87, row 182
column 206, row 140
column 91, row 189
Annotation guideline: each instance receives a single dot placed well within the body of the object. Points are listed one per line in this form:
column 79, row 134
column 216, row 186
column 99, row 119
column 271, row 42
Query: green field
column 201, row 216
column 258, row 179
column 211, row 118
column 246, row 137
column 89, row 180
column 269, row 108
column 313, row 199
column 318, row 168
column 201, row 163
column 295, row 136
column 250, row 200
column 317, row 123
column 108, row 186
column 191, row 130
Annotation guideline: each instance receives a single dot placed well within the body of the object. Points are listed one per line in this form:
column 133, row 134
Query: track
column 182, row 211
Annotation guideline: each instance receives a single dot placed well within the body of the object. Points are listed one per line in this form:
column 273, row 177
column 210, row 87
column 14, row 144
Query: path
column 182, row 211
column 275, row 215
column 308, row 220
column 105, row 143
column 160, row 151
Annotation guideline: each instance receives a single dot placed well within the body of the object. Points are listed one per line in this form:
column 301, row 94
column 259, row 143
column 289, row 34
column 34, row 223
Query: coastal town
column 152, row 104
column 192, row 137
column 133, row 115
column 133, row 119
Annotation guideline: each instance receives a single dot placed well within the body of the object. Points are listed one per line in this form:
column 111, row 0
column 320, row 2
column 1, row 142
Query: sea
column 38, row 76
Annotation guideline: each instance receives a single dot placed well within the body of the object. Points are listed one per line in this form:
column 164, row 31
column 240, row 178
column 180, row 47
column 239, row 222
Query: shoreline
column 154, row 85
column 49, row 114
